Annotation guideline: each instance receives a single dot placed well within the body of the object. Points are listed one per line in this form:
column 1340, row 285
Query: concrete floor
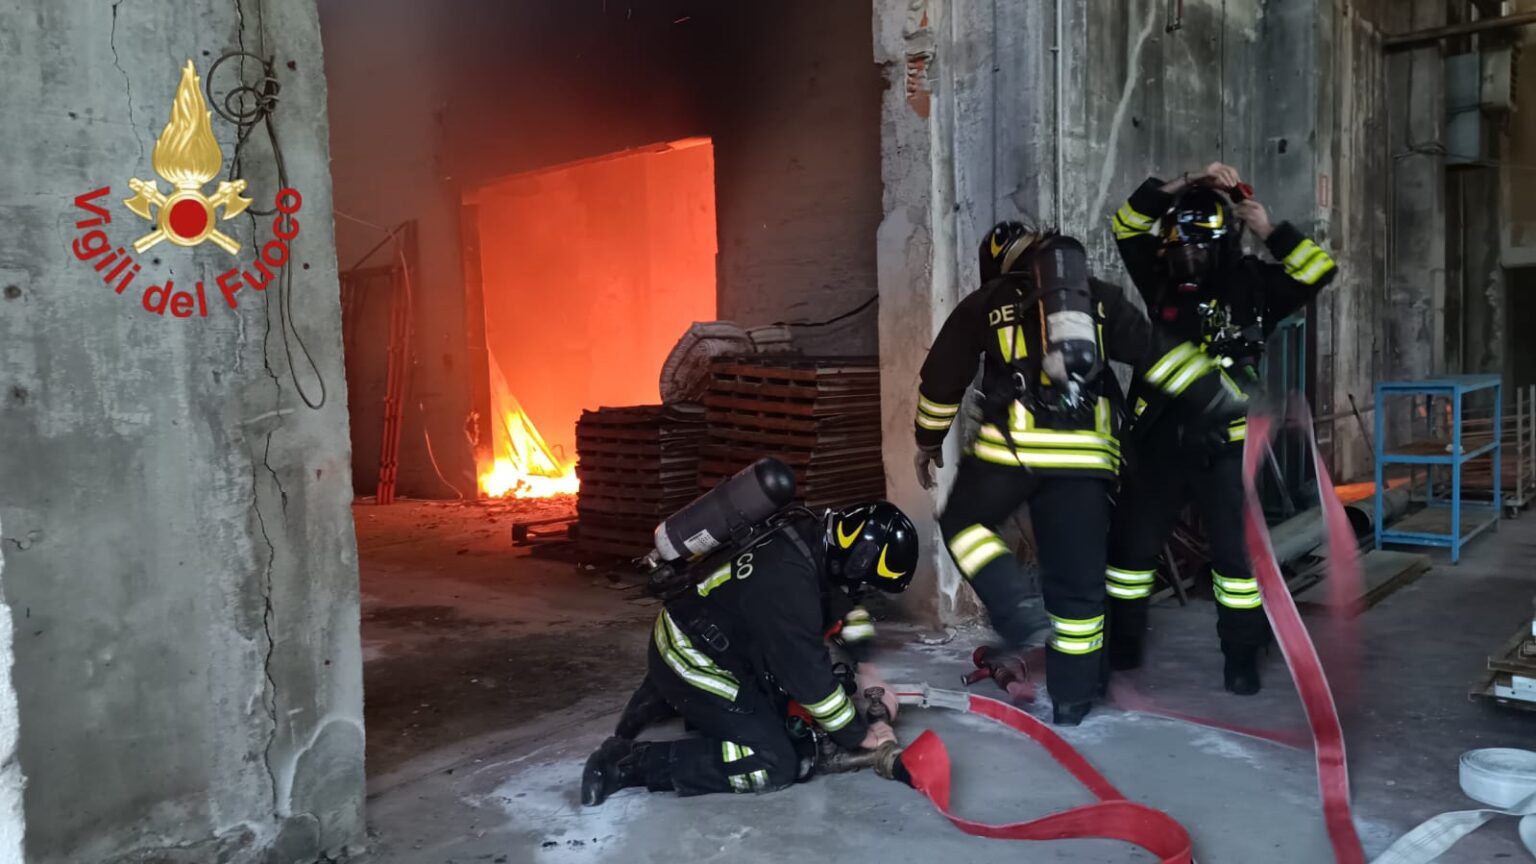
column 490, row 675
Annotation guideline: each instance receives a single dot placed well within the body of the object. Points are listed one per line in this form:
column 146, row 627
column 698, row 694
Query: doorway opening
column 588, row 271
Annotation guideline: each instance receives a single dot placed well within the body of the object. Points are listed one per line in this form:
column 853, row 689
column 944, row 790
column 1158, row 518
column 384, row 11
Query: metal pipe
column 1060, row 112
column 1405, row 41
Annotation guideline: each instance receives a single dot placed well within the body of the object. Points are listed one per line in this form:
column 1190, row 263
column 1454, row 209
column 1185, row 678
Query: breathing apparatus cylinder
column 732, row 507
column 1066, row 313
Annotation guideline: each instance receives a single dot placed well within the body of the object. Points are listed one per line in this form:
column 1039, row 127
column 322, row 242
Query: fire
column 524, row 466
column 187, row 155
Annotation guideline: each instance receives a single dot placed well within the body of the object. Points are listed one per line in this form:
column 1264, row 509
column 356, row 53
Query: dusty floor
column 490, row 676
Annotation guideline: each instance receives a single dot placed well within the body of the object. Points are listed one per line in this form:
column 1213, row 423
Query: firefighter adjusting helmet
column 1196, row 232
column 872, row 544
column 1002, row 249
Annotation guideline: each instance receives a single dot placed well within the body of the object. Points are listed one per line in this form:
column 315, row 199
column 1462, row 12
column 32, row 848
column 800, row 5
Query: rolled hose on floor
column 1502, row 778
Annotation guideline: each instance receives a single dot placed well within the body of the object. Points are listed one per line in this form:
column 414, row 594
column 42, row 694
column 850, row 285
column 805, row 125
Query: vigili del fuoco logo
column 186, row 156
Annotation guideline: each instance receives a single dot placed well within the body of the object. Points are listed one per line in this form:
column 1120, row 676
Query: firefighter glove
column 927, row 458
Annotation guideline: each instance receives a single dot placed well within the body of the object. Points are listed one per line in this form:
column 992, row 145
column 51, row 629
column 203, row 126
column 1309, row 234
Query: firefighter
column 733, row 652
column 1043, row 331
column 1216, row 306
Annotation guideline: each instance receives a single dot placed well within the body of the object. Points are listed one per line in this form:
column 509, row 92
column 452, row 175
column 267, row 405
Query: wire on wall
column 248, row 106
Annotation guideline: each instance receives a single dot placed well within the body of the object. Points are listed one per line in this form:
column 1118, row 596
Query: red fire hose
column 1114, row 817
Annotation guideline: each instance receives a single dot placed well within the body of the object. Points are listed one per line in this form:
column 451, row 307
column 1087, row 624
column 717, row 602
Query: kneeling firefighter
column 745, row 641
column 1043, row 330
column 1217, row 307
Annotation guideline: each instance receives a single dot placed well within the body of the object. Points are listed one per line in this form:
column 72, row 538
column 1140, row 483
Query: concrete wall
column 431, row 100
column 179, row 549
column 795, row 113
column 13, row 824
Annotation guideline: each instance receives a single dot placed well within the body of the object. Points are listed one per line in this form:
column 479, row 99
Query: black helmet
column 872, row 544
column 1196, row 231
column 1001, row 250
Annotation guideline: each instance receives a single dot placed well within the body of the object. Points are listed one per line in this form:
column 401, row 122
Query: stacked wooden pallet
column 821, row 416
column 637, row 465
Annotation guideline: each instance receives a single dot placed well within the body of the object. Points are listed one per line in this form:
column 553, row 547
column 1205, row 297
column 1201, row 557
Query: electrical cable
column 849, row 314
column 233, row 108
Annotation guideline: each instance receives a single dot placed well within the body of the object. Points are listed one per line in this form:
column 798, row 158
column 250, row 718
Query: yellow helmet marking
column 882, row 569
column 997, row 248
column 846, row 540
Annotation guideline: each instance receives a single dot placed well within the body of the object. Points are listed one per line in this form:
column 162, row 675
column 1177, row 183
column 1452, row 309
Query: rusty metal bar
column 1419, row 38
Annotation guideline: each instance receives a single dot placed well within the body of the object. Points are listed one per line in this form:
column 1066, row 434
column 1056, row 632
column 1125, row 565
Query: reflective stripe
column 1121, row 592
column 936, row 409
column 1128, row 584
column 1083, row 459
column 760, row 780
column 690, row 664
column 1236, row 593
column 1085, row 439
column 1237, row 433
column 740, row 783
column 927, row 422
column 1078, row 626
column 1077, row 635
column 715, row 580
column 1192, row 370
column 833, row 712
column 1307, row 263
column 1170, row 361
column 857, row 626
column 1129, row 223
column 974, row 548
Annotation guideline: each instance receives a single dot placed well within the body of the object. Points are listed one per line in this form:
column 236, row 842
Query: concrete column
column 12, row 821
column 179, row 546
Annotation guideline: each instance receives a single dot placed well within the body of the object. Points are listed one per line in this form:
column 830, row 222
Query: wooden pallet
column 637, row 465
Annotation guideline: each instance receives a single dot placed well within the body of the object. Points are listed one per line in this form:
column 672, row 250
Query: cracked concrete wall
column 13, row 825
column 179, row 551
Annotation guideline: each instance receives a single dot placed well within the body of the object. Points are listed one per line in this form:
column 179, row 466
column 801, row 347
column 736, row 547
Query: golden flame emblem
column 187, row 156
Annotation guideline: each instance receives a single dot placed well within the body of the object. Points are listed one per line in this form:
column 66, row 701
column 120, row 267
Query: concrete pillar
column 12, row 821
column 178, row 542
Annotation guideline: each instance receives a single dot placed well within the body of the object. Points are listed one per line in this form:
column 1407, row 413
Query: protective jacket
column 761, row 618
column 1024, row 423
column 1222, row 322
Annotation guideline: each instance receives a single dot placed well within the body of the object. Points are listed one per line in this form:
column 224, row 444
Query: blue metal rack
column 1454, row 456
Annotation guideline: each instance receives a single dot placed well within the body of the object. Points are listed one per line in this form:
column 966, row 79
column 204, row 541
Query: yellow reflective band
column 1019, row 417
column 715, row 580
column 1083, row 459
column 1134, row 217
column 1103, row 417
column 740, row 783
column 1122, row 592
column 830, row 705
column 1239, row 601
column 691, row 665
column 1120, row 575
column 936, row 409
column 856, row 632
column 1077, row 626
column 759, row 780
column 1077, row 646
column 975, row 548
column 1175, row 358
column 1082, row 439
column 843, row 718
column 1299, row 256
column 1316, row 270
column 1244, row 586
column 1005, row 343
column 1189, row 373
column 732, row 752
column 927, row 422
column 1237, row 433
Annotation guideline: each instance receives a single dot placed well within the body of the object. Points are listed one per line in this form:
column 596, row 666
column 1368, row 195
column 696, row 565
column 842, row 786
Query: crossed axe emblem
column 186, row 216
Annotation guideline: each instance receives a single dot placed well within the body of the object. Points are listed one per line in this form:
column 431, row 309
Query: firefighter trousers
column 1070, row 517
column 744, row 744
column 1159, row 480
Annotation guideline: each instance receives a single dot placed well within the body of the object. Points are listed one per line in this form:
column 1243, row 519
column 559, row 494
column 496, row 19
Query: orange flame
column 187, row 155
column 524, row 466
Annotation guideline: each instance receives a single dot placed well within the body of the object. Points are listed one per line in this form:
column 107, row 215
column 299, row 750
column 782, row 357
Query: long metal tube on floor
column 1305, row 531
column 1404, row 41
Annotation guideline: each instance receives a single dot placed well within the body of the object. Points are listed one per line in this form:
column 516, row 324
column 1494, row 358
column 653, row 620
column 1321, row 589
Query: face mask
column 1189, row 262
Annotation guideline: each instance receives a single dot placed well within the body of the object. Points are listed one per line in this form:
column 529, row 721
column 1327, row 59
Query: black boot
column 1124, row 653
column 646, row 708
column 1070, row 713
column 1242, row 668
column 618, row 764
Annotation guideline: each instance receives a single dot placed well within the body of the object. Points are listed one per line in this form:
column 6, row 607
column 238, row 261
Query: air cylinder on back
column 752, row 495
column 1066, row 306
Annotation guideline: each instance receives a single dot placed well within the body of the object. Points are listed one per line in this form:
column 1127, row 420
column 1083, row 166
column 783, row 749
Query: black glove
column 927, row 457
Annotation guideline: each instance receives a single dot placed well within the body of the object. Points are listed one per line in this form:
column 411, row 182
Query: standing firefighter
column 731, row 652
column 1043, row 331
column 1217, row 307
